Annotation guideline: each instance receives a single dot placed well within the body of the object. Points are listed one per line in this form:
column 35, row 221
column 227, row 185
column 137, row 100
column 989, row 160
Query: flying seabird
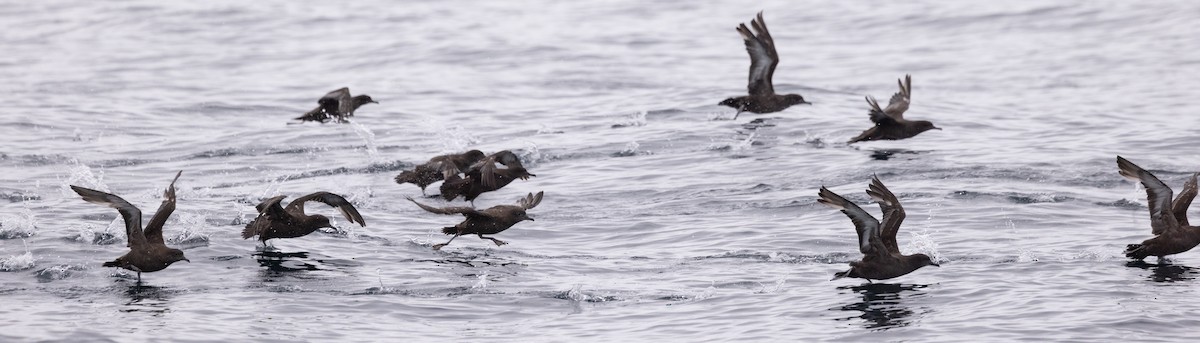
column 763, row 59
column 889, row 122
column 147, row 251
column 877, row 241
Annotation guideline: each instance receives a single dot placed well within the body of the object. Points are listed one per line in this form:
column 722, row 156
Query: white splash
column 81, row 175
column 190, row 233
column 630, row 149
column 368, row 138
column 922, row 242
column 19, row 225
column 531, row 155
column 18, row 262
column 706, row 293
column 772, row 289
column 634, row 120
column 576, row 293
column 454, row 139
column 745, row 144
column 482, row 282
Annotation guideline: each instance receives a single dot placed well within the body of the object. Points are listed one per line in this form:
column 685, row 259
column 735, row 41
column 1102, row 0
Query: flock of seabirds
column 472, row 173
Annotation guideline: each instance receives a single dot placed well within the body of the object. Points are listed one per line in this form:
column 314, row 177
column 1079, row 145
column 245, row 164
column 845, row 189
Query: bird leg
column 439, row 246
column 497, row 241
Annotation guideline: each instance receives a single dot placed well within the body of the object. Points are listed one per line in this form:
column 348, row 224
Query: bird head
column 925, row 125
column 925, row 260
column 364, row 99
column 520, row 215
column 177, row 255
column 795, row 99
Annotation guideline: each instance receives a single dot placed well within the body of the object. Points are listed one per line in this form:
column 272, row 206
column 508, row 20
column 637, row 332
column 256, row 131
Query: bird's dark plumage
column 1168, row 217
column 486, row 222
column 440, row 168
column 889, row 122
column 147, row 251
column 876, row 240
column 276, row 221
column 485, row 176
column 763, row 59
column 338, row 104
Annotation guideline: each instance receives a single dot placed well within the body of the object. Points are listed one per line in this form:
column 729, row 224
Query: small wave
column 58, row 272
column 632, row 120
column 576, row 294
column 1015, row 197
column 17, row 196
column 631, row 149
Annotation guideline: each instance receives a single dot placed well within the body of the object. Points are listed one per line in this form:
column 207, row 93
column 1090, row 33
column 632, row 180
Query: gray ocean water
column 661, row 220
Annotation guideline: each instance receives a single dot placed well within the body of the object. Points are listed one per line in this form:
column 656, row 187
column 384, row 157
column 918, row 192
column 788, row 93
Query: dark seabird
column 877, row 241
column 338, row 105
column 485, row 176
column 1168, row 218
column 439, row 168
column 487, row 222
column 147, row 251
column 763, row 59
column 889, row 122
column 275, row 221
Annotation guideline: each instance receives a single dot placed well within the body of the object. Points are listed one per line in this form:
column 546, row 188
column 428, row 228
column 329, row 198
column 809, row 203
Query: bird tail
column 249, row 231
column 840, row 275
column 406, row 177
column 1136, row 251
column 450, row 230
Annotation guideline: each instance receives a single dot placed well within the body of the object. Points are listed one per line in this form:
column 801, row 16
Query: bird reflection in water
column 882, row 304
column 151, row 299
column 887, row 154
column 1164, row 271
column 277, row 261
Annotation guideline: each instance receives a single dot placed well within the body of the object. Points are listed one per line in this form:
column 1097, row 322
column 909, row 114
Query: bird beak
column 937, row 128
column 530, row 218
column 935, row 265
column 807, row 103
column 374, row 102
column 188, row 261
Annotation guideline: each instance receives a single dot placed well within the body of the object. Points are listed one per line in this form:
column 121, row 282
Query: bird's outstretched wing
column 1184, row 200
column 878, row 116
column 154, row 228
column 899, row 102
column 131, row 214
column 334, row 200
column 338, row 102
column 866, row 225
column 893, row 213
column 1157, row 194
column 763, row 57
column 487, row 167
column 463, row 210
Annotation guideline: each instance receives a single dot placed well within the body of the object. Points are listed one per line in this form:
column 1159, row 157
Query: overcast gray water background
column 659, row 222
